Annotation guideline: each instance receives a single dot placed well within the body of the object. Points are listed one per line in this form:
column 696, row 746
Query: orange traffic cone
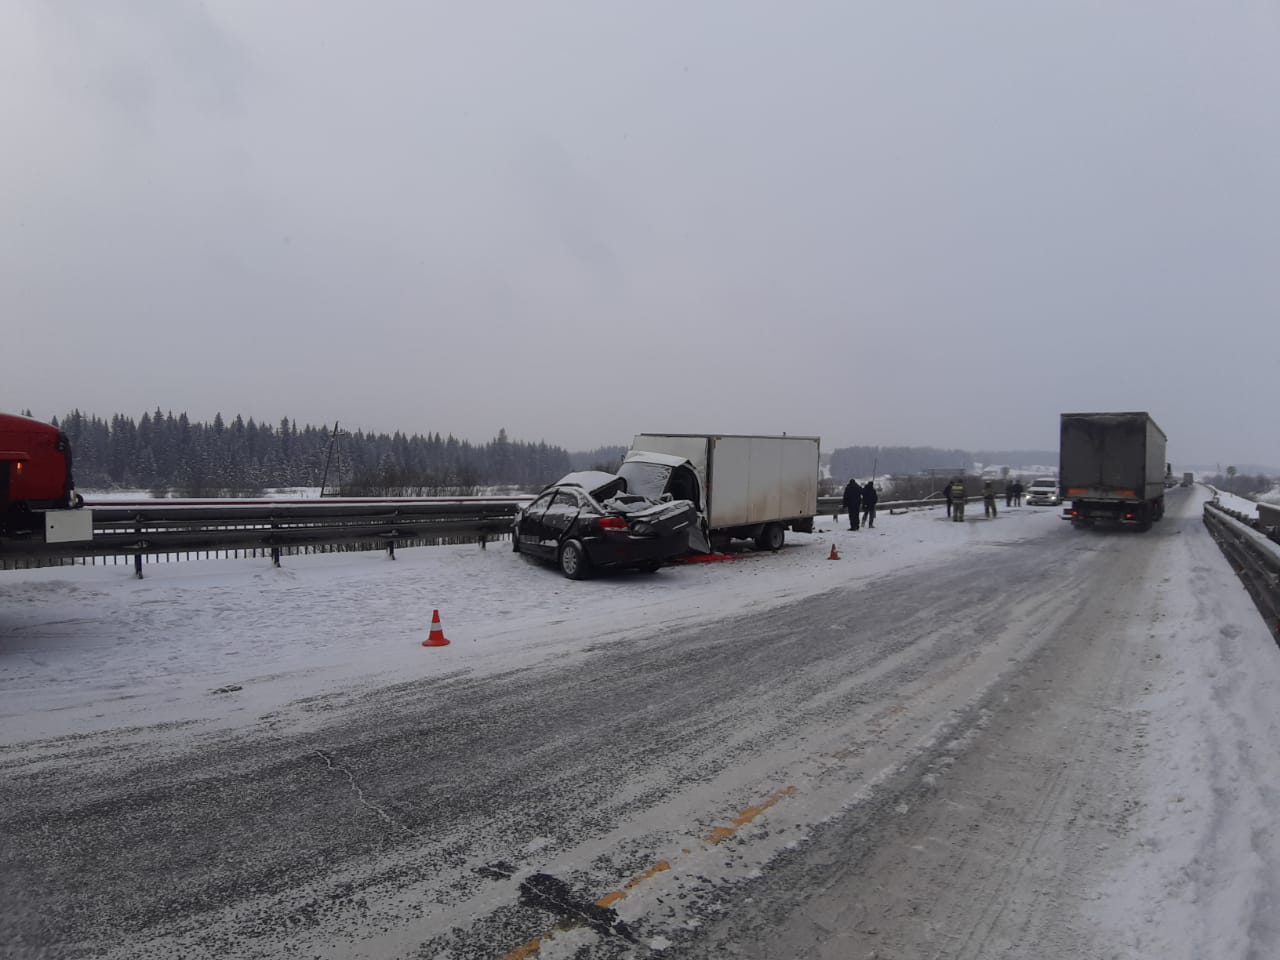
column 834, row 555
column 436, row 637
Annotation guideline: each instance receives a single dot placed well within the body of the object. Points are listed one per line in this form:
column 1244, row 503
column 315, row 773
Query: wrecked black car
column 587, row 521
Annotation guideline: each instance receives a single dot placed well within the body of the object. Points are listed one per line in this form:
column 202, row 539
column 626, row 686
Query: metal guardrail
column 1253, row 554
column 164, row 528
column 834, row 506
column 1266, row 524
column 176, row 529
column 1269, row 517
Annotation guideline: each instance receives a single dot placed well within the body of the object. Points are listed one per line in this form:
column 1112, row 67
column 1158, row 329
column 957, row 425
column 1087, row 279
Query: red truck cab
column 35, row 474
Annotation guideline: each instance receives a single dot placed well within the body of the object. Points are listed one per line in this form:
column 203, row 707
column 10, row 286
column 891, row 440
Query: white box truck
column 745, row 487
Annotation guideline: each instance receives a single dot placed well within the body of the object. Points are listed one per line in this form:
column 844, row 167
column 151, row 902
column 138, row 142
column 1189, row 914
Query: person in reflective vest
column 957, row 499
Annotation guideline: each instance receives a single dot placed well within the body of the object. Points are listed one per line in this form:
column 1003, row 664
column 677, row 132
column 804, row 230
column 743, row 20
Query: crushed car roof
column 587, row 479
column 592, row 481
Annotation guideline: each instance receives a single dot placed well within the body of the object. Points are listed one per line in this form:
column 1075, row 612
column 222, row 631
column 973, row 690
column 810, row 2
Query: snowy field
column 107, row 497
column 1240, row 504
column 92, row 648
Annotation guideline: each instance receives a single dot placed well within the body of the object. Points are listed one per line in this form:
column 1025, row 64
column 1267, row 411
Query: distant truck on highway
column 744, row 486
column 1188, row 479
column 1112, row 468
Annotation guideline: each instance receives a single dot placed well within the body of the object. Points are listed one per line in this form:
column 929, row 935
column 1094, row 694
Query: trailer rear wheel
column 1144, row 517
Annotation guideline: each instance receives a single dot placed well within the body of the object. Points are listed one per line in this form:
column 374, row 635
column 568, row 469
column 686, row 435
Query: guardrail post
column 137, row 557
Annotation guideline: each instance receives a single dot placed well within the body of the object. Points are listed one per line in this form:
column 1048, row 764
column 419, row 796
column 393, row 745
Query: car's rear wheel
column 573, row 561
column 771, row 537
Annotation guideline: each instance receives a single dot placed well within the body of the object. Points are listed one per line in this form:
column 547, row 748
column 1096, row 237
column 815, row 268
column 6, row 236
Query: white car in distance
column 1043, row 491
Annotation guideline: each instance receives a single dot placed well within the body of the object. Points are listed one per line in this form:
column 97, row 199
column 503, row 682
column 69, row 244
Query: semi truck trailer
column 1112, row 469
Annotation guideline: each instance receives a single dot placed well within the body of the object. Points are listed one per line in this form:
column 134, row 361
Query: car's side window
column 567, row 501
column 540, row 504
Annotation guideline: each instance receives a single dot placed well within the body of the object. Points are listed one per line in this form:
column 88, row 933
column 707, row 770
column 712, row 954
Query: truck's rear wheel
column 1144, row 517
column 771, row 537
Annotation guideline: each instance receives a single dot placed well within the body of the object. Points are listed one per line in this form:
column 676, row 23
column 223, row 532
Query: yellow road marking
column 612, row 898
column 721, row 834
column 716, row 836
column 528, row 950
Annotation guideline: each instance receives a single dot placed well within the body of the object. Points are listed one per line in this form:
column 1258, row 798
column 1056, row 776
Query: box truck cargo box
column 745, row 486
column 1112, row 468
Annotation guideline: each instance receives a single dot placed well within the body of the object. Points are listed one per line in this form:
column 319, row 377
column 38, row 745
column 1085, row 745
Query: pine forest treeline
column 166, row 453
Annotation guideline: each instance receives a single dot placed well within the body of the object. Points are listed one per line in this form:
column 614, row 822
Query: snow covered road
column 1114, row 800
column 982, row 740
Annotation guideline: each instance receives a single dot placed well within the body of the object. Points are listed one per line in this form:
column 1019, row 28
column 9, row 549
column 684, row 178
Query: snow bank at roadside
column 1199, row 877
column 90, row 647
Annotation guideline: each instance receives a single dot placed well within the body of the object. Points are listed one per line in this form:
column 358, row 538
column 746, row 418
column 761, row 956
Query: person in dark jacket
column 853, row 502
column 869, row 498
column 946, row 492
column 989, row 500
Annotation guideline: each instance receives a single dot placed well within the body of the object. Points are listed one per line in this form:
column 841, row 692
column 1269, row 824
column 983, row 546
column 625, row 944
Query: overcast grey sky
column 885, row 223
